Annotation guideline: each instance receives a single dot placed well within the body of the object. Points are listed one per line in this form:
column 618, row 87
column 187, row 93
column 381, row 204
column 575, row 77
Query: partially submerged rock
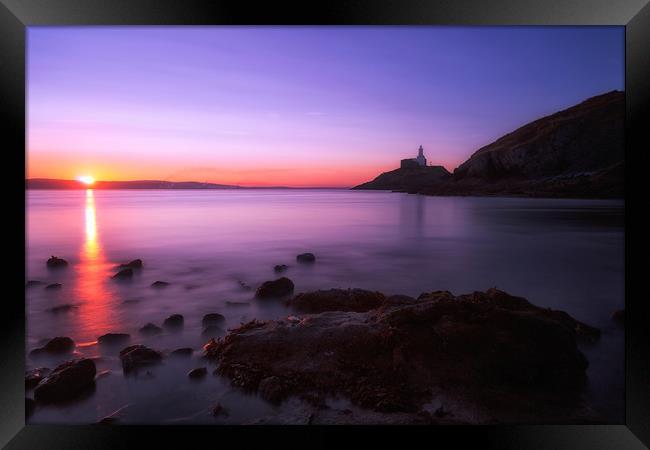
column 237, row 304
column 306, row 258
column 212, row 331
column 280, row 268
column 135, row 264
column 213, row 319
column 136, row 357
column 159, row 284
column 124, row 274
column 358, row 300
column 57, row 345
column 35, row 376
column 487, row 346
column 62, row 308
column 56, row 263
column 113, row 339
column 150, row 329
column 66, row 382
column 198, row 373
column 276, row 288
column 184, row 351
column 53, row 286
column 175, row 321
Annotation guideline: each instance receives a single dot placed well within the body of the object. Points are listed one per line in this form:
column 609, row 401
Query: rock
column 66, row 382
column 136, row 357
column 150, row 329
column 159, row 284
column 198, row 373
column 213, row 331
column 53, row 286
column 35, row 376
column 113, row 339
column 33, row 283
column 280, row 268
column 109, row 420
column 30, row 406
column 124, row 274
column 135, row 264
column 219, row 410
column 618, row 316
column 175, row 321
column 306, row 258
column 185, row 351
column 277, row 288
column 358, row 300
column 272, row 389
column 485, row 346
column 57, row 345
column 213, row 319
column 62, row 308
column 56, row 263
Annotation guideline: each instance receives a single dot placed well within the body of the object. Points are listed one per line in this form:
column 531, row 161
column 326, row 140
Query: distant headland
column 54, row 184
column 574, row 153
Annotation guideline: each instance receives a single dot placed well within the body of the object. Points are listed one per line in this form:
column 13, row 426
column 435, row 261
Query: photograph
column 325, row 225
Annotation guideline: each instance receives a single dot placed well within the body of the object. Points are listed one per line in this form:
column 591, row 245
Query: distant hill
column 576, row 152
column 47, row 183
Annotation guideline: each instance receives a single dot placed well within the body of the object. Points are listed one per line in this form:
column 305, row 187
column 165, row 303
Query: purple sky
column 301, row 106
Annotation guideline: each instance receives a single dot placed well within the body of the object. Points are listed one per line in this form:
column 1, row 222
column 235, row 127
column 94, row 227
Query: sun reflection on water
column 92, row 274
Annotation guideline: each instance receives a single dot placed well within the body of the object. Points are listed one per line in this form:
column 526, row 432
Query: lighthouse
column 421, row 160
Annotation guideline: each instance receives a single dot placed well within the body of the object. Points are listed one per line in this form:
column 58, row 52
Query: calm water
column 563, row 254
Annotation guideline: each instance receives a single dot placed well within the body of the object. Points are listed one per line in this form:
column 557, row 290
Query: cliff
column 576, row 152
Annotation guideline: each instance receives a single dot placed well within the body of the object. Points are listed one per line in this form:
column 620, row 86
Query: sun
column 86, row 179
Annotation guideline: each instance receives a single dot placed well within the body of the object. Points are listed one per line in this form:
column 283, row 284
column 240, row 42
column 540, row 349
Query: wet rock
column 150, row 329
column 212, row 331
column 198, row 373
column 135, row 264
column 136, row 357
column 35, row 376
column 358, row 300
column 54, row 286
column 30, row 405
column 62, row 308
column 34, row 283
column 57, row 345
column 306, row 258
column 618, row 316
column 488, row 346
column 56, row 263
column 185, row 351
column 218, row 410
column 175, row 321
column 213, row 319
column 276, row 288
column 159, row 284
column 66, row 382
column 113, row 339
column 272, row 389
column 280, row 268
column 102, row 374
column 124, row 274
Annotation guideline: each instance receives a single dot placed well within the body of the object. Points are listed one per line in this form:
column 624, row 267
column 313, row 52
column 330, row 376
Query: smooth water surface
column 217, row 246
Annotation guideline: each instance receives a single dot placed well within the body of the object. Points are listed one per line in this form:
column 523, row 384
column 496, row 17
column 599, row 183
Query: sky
column 295, row 106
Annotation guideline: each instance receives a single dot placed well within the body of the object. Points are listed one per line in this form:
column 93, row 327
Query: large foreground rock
column 358, row 300
column 495, row 351
column 135, row 357
column 67, row 381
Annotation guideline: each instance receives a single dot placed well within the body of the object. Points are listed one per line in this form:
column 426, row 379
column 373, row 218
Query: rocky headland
column 577, row 152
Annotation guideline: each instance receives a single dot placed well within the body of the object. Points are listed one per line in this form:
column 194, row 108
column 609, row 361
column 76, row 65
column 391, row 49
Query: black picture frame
column 16, row 15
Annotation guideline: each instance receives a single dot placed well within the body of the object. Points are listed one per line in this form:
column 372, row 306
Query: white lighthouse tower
column 421, row 160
